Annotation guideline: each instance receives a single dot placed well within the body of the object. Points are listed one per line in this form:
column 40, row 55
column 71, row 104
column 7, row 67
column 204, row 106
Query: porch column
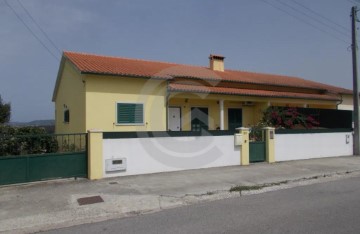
column 269, row 135
column 221, row 102
column 244, row 148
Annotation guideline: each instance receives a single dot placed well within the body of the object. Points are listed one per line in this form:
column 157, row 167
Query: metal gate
column 30, row 158
column 257, row 151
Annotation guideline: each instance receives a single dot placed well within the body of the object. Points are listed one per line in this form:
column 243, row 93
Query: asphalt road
column 331, row 207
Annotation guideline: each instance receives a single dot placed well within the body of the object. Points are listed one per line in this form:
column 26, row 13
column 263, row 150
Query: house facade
column 127, row 95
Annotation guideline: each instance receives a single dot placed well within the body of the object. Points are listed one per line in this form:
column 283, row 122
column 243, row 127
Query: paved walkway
column 54, row 204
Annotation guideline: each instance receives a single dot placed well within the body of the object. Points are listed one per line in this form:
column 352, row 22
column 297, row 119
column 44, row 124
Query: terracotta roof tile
column 249, row 92
column 97, row 64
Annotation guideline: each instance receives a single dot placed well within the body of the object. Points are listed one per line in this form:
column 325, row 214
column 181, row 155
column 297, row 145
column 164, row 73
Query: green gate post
column 269, row 135
column 244, row 146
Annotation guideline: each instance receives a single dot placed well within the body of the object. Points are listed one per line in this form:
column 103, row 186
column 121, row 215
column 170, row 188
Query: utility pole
column 355, row 82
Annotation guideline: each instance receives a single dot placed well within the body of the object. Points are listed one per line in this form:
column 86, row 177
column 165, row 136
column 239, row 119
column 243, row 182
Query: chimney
column 216, row 62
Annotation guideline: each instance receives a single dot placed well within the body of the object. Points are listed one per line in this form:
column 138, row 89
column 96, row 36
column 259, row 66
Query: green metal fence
column 11, row 145
column 29, row 158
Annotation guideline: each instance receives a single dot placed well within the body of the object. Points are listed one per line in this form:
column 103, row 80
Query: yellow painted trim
column 270, row 144
column 245, row 158
column 95, row 155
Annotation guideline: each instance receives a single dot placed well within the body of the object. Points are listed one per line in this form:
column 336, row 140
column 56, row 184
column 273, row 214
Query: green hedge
column 26, row 140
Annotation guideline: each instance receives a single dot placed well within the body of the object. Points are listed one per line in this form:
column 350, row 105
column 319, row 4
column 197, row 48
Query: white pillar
column 221, row 102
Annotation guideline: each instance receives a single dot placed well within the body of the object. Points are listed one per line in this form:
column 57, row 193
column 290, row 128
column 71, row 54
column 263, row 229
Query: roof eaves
column 58, row 77
column 348, row 92
column 251, row 95
column 322, row 90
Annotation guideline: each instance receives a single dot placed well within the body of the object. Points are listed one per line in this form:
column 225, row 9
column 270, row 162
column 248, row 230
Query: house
column 121, row 94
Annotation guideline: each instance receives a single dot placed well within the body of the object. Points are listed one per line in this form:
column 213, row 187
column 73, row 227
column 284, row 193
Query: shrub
column 289, row 118
column 256, row 131
column 26, row 140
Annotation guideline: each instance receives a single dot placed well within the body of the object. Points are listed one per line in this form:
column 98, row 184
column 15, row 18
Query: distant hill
column 46, row 122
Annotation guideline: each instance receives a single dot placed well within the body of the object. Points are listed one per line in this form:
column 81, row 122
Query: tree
column 5, row 112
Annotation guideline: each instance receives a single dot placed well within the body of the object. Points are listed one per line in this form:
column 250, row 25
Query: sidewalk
column 53, row 204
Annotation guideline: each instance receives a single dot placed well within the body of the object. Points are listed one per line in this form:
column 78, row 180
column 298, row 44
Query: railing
column 150, row 134
column 42, row 144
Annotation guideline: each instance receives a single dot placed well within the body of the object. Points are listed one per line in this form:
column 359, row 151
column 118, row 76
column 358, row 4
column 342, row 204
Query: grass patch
column 240, row 188
column 277, row 183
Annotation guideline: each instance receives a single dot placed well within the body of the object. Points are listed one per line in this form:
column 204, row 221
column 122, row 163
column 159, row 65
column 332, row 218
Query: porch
column 193, row 112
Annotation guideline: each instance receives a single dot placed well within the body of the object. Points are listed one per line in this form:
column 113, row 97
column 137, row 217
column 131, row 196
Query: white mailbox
column 115, row 164
column 238, row 139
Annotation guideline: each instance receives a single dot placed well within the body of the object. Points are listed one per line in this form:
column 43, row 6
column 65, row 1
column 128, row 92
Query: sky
column 304, row 38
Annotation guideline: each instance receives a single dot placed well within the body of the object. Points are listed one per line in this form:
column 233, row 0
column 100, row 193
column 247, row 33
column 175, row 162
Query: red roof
column 97, row 64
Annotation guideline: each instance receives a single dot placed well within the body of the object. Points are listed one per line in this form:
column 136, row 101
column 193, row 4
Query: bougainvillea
column 288, row 117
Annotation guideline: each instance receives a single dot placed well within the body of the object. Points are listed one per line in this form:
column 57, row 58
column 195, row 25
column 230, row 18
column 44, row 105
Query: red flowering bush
column 289, row 118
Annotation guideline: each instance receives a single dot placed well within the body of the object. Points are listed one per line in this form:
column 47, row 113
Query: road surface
column 331, row 207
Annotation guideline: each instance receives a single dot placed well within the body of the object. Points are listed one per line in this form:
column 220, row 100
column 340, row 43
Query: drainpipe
column 167, row 105
column 340, row 102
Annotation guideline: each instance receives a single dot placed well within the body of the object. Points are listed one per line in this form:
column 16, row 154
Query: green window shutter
column 130, row 113
column 66, row 116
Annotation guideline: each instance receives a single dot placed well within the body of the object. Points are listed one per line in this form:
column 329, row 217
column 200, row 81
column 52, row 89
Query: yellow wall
column 248, row 112
column 71, row 95
column 217, row 65
column 103, row 92
column 213, row 108
column 347, row 103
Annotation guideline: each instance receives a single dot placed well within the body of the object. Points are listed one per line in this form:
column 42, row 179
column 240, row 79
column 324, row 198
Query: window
column 66, row 116
column 199, row 118
column 130, row 113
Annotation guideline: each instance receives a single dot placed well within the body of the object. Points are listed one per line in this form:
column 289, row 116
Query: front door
column 234, row 118
column 174, row 117
column 199, row 118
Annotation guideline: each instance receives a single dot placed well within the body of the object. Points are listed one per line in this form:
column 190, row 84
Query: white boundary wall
column 312, row 145
column 161, row 154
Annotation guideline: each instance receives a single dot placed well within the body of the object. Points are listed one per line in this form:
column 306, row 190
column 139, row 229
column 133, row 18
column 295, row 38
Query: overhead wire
column 323, row 17
column 304, row 21
column 352, row 1
column 309, row 16
column 31, row 31
column 40, row 28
